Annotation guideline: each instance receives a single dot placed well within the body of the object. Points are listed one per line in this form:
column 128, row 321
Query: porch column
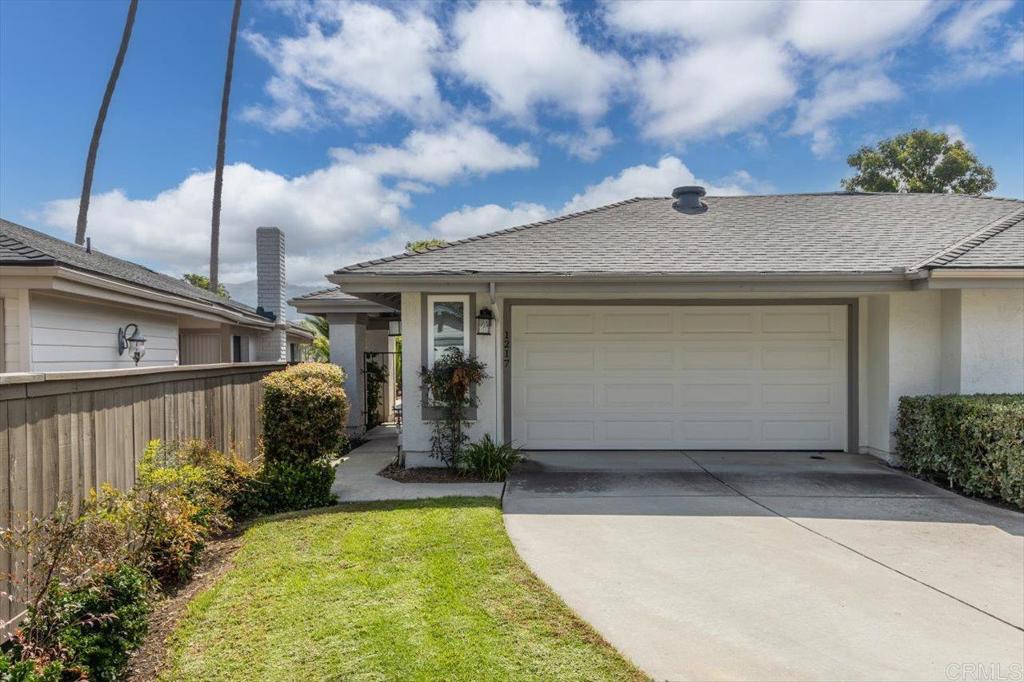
column 348, row 341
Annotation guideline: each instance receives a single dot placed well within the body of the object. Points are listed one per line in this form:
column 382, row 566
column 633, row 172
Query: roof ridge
column 485, row 235
column 971, row 241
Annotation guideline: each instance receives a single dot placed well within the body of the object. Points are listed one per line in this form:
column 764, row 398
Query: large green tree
column 919, row 161
column 424, row 245
column 203, row 282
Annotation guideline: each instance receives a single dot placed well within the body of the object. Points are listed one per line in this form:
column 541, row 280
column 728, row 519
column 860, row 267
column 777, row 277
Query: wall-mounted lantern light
column 484, row 321
column 395, row 327
column 129, row 339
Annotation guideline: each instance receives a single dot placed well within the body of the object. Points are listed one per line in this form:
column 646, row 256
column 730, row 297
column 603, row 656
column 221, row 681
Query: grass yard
column 417, row 590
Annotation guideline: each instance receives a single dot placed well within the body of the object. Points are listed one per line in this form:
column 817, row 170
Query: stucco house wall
column 992, row 340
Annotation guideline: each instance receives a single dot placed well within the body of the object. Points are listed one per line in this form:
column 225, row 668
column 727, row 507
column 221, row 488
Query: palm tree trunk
column 97, row 131
column 218, row 177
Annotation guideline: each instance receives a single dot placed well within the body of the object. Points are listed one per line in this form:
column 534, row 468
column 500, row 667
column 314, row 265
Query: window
column 293, row 352
column 448, row 319
column 236, row 349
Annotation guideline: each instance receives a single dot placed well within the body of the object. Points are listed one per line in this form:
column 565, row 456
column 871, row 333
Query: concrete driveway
column 765, row 566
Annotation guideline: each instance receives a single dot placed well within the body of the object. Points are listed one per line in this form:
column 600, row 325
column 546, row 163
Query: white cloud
column 839, row 94
column 972, row 21
column 649, row 181
column 438, row 157
column 636, row 181
column 587, row 144
column 366, row 63
column 714, row 89
column 350, row 210
column 524, row 56
column 473, row 220
column 332, row 211
column 855, row 28
column 694, row 20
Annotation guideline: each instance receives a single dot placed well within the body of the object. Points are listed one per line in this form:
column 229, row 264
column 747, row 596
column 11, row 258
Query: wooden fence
column 64, row 433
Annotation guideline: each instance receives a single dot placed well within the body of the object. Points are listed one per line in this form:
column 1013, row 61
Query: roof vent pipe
column 688, row 199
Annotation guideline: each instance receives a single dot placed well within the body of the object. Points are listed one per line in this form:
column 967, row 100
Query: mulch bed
column 428, row 475
column 217, row 560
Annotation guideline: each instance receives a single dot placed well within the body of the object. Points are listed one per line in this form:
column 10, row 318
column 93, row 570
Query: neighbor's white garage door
column 675, row 377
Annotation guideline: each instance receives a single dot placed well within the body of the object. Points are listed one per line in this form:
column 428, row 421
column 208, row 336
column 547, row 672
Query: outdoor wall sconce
column 484, row 321
column 129, row 339
column 395, row 327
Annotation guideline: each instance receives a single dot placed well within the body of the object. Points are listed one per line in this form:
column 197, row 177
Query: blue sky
column 357, row 126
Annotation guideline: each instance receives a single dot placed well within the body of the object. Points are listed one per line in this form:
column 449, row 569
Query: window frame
column 432, row 299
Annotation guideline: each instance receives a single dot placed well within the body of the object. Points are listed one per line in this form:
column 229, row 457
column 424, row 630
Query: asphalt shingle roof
column 20, row 245
column 840, row 232
column 1000, row 246
column 331, row 294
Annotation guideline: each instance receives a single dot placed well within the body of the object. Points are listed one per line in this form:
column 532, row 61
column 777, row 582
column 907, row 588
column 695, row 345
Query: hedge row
column 970, row 443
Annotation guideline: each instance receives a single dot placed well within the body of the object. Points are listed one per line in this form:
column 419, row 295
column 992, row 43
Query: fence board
column 65, row 433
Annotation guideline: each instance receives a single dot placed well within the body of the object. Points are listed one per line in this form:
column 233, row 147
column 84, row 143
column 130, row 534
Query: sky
column 358, row 126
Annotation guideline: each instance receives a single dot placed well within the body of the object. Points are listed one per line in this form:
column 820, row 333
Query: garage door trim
column 852, row 343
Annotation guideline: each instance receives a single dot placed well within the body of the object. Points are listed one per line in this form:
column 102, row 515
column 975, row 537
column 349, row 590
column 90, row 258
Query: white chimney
column 270, row 285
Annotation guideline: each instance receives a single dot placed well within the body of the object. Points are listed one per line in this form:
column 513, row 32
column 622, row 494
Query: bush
column 971, row 443
column 490, row 461
column 282, row 486
column 304, row 412
column 27, row 670
column 106, row 621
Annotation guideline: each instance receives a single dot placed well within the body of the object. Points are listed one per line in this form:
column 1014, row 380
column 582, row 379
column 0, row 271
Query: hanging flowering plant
column 449, row 385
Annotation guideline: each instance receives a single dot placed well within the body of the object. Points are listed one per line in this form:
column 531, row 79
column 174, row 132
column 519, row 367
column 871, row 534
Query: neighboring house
column 731, row 323
column 62, row 307
column 359, row 331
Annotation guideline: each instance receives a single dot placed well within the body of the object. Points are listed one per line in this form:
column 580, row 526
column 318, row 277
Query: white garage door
column 679, row 377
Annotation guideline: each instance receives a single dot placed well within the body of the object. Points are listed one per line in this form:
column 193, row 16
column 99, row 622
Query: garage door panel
column 798, row 323
column 554, row 432
column 554, row 323
column 796, row 432
column 659, row 322
column 724, row 432
column 797, row 358
column 807, row 396
column 717, row 394
column 716, row 322
column 716, row 358
column 560, row 360
column 720, row 377
column 640, row 431
column 543, row 396
column 656, row 396
column 637, row 358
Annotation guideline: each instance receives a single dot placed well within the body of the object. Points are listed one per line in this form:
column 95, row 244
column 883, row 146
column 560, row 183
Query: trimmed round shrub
column 283, row 486
column 304, row 412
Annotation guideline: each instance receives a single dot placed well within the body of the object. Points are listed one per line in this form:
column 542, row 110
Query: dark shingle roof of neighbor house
column 838, row 232
column 20, row 245
column 331, row 294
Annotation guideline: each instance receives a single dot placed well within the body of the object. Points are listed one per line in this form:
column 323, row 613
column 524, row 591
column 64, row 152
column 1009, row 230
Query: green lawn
column 419, row 590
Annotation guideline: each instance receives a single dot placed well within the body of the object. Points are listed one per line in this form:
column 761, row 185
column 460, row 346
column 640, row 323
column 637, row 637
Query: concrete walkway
column 356, row 478
column 775, row 566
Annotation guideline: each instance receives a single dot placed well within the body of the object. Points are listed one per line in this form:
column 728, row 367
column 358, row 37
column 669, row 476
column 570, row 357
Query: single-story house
column 66, row 307
column 788, row 322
